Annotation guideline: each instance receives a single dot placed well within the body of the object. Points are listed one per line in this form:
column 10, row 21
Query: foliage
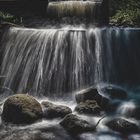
column 127, row 17
column 6, row 17
column 125, row 12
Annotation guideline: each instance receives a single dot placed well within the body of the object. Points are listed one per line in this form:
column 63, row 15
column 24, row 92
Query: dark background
column 24, row 7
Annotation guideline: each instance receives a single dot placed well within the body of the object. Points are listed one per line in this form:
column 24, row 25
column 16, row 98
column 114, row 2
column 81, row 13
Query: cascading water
column 86, row 9
column 56, row 61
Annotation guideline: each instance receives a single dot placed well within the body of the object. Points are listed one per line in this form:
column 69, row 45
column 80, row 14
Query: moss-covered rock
column 88, row 107
column 51, row 110
column 21, row 108
column 75, row 125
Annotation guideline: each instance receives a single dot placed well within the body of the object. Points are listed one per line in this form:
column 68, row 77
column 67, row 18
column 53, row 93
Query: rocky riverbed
column 25, row 118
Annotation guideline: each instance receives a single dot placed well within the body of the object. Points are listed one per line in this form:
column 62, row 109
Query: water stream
column 60, row 61
column 55, row 63
column 56, row 58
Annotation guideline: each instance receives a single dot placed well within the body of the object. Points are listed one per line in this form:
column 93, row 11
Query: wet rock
column 115, row 93
column 92, row 94
column 123, row 126
column 87, row 94
column 51, row 110
column 21, row 108
column 75, row 125
column 88, row 107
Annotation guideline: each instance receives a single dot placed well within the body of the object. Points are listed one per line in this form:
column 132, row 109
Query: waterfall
column 90, row 11
column 58, row 61
column 86, row 9
column 62, row 60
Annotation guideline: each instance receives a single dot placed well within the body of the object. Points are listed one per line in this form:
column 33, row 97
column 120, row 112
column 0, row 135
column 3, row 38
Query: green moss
column 125, row 12
column 6, row 17
column 127, row 17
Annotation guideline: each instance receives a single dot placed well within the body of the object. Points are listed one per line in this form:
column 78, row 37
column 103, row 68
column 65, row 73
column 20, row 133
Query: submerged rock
column 115, row 93
column 123, row 126
column 92, row 94
column 21, row 108
column 54, row 111
column 88, row 107
column 75, row 125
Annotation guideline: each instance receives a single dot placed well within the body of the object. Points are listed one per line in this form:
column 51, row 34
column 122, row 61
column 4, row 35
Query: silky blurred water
column 56, row 63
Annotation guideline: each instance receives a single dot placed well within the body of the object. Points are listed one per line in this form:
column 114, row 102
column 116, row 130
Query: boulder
column 51, row 110
column 92, row 94
column 123, row 126
column 88, row 107
column 75, row 125
column 21, row 109
column 115, row 92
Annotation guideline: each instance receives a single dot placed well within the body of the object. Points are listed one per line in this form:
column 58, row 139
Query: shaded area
column 24, row 8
